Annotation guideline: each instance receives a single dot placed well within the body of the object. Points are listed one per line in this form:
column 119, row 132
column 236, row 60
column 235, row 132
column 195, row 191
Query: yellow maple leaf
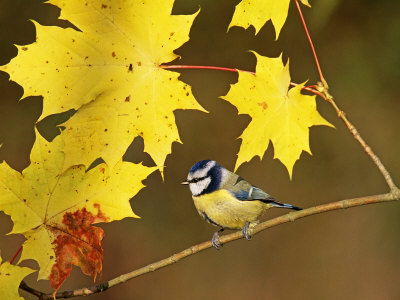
column 55, row 210
column 111, row 68
column 278, row 115
column 10, row 279
column 257, row 13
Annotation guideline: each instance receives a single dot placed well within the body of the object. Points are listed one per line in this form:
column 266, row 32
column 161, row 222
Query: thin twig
column 324, row 93
column 311, row 44
column 341, row 114
column 26, row 288
column 290, row 217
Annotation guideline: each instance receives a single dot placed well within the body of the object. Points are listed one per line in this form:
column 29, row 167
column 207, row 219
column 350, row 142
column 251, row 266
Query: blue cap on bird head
column 201, row 165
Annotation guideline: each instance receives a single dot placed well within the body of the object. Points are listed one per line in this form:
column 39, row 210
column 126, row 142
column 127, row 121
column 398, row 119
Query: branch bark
column 290, row 217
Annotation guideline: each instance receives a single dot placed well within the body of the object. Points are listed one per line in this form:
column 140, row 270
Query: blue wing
column 244, row 191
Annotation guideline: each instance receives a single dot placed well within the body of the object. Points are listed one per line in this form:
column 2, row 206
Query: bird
column 226, row 200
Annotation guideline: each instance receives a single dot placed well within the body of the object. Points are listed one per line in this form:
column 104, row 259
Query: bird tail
column 275, row 203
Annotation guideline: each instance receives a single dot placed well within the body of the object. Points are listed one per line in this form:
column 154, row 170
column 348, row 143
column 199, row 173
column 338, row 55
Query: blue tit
column 226, row 200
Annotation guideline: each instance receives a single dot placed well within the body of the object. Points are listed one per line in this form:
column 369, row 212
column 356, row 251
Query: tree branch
column 26, row 288
column 341, row 114
column 324, row 93
column 290, row 217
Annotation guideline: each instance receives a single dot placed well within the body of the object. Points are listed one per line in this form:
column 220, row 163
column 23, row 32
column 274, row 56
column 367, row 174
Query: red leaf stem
column 311, row 43
column 310, row 88
column 16, row 254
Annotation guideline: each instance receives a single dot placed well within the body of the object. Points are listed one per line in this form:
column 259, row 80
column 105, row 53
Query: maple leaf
column 10, row 279
column 278, row 115
column 257, row 13
column 55, row 210
column 110, row 71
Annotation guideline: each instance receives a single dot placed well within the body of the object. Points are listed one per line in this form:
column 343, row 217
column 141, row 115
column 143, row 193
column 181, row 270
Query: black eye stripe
column 194, row 180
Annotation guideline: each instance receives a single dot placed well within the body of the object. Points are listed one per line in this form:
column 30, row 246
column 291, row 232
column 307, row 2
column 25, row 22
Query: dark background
column 347, row 254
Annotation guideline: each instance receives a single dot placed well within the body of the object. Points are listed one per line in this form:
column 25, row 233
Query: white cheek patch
column 198, row 187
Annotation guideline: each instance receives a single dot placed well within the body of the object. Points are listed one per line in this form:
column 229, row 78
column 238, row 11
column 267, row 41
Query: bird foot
column 245, row 231
column 215, row 240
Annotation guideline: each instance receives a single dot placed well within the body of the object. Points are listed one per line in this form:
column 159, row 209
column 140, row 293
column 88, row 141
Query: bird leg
column 215, row 239
column 245, row 231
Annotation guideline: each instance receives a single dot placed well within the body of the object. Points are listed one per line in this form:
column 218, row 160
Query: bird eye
column 194, row 180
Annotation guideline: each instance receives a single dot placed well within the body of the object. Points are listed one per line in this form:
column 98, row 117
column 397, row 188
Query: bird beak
column 185, row 183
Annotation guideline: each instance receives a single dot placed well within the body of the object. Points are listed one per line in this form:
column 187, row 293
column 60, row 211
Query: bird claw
column 215, row 240
column 245, row 231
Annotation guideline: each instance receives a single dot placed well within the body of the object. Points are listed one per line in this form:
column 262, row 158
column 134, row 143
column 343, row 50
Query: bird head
column 204, row 177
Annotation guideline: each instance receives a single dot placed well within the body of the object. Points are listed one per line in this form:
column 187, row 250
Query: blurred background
column 347, row 254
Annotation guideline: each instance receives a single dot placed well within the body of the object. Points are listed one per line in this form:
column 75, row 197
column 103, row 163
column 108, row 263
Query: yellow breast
column 222, row 209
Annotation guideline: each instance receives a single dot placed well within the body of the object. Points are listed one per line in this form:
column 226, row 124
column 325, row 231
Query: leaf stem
column 311, row 44
column 16, row 254
column 310, row 88
column 290, row 217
